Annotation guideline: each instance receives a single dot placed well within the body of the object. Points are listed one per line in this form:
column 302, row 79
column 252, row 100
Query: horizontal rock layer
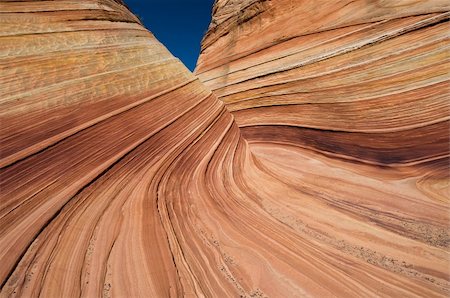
column 373, row 74
column 122, row 175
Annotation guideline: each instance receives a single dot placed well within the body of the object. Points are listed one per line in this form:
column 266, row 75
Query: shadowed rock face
column 123, row 175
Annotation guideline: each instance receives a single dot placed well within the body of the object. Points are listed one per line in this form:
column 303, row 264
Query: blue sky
column 178, row 24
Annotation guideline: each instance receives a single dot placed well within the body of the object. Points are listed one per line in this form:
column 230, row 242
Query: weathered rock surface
column 350, row 101
column 365, row 80
column 122, row 175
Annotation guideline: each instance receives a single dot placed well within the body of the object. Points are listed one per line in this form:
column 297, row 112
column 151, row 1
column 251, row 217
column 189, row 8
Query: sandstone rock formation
column 364, row 80
column 122, row 175
column 353, row 97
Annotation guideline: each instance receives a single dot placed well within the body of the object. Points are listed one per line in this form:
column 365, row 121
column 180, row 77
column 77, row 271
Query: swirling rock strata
column 338, row 73
column 122, row 175
column 318, row 87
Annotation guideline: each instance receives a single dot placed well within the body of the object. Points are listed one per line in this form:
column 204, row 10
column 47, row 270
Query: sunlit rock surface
column 123, row 176
column 349, row 103
column 364, row 79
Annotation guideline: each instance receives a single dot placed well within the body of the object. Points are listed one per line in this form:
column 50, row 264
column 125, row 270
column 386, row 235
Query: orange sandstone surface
column 318, row 165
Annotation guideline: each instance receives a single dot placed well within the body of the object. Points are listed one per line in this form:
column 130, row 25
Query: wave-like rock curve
column 322, row 86
column 123, row 175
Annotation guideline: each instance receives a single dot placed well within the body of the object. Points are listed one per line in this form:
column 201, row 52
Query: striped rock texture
column 349, row 103
column 362, row 80
column 122, row 175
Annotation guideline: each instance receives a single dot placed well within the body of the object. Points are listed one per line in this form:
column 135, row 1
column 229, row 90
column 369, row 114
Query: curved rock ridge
column 321, row 86
column 122, row 175
column 371, row 73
